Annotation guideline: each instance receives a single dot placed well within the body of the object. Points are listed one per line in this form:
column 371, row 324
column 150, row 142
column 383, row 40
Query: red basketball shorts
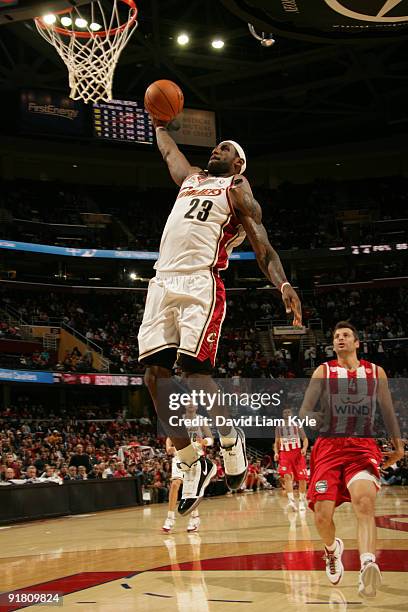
column 334, row 462
column 293, row 462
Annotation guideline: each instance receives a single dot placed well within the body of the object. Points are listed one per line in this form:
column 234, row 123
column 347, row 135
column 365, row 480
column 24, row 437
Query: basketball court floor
column 250, row 554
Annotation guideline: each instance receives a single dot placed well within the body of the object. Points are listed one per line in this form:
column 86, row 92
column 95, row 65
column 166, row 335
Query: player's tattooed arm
column 249, row 213
column 178, row 165
column 390, row 419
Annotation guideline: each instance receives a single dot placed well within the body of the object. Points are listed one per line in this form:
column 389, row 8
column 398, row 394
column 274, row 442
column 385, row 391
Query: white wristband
column 161, row 127
column 283, row 284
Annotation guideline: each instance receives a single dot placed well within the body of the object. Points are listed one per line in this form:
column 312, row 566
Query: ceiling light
column 183, row 39
column 95, row 27
column 49, row 19
column 217, row 43
column 133, row 276
column 66, row 21
column 81, row 23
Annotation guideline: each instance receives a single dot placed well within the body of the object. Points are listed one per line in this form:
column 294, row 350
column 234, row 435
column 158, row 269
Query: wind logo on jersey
column 348, row 407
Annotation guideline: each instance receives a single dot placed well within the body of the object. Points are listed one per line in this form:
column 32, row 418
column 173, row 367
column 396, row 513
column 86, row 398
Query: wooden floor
column 250, row 554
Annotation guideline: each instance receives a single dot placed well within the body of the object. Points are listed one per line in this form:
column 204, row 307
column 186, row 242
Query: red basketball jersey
column 289, row 437
column 351, row 399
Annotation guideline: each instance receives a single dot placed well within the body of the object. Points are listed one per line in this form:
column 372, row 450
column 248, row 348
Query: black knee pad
column 192, row 365
column 163, row 359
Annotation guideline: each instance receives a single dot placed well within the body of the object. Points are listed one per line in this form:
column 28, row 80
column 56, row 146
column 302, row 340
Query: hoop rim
column 103, row 33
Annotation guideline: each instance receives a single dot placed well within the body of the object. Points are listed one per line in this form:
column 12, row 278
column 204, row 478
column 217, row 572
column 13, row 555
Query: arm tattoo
column 268, row 259
column 252, row 207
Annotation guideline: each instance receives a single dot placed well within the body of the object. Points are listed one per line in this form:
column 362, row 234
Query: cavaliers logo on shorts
column 321, row 486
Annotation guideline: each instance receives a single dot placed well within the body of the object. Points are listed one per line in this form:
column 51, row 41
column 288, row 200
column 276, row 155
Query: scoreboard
column 122, row 120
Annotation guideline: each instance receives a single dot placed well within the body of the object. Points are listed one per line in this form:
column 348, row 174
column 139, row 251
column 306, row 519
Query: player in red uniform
column 345, row 460
column 290, row 450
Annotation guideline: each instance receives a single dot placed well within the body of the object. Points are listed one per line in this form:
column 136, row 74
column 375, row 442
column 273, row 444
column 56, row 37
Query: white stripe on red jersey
column 352, row 397
column 289, row 437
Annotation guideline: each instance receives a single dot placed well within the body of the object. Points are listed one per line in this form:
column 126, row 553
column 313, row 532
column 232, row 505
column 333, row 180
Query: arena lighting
column 95, row 27
column 183, row 39
column 133, row 276
column 217, row 43
column 81, row 23
column 66, row 21
column 49, row 19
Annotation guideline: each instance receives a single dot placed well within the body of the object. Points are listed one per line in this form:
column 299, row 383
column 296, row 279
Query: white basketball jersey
column 202, row 229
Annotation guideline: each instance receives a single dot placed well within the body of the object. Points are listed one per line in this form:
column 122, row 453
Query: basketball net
column 90, row 44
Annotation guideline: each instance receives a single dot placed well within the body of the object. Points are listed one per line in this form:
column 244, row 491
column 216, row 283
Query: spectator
column 80, row 458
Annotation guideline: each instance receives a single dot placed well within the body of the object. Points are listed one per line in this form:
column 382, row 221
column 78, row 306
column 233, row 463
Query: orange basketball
column 164, row 100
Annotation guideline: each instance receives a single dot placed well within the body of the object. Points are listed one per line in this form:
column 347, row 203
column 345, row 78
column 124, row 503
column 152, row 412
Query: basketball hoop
column 90, row 43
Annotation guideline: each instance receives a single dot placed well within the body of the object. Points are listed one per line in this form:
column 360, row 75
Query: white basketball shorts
column 184, row 312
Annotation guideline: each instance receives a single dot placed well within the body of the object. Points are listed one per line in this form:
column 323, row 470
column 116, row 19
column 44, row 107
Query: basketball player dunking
column 185, row 304
column 290, row 450
column 345, row 460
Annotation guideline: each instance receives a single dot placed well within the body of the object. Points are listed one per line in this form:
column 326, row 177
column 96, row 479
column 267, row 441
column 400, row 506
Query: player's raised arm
column 178, row 165
column 390, row 419
column 313, row 394
column 249, row 214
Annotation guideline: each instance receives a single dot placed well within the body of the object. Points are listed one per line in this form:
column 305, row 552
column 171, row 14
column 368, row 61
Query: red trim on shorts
column 209, row 343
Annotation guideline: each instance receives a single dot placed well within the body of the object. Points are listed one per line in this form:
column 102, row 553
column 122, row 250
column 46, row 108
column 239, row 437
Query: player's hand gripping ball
column 164, row 100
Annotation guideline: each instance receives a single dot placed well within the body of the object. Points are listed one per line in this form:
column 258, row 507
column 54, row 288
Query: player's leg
column 202, row 310
column 158, row 340
column 302, row 494
column 363, row 494
column 323, row 513
column 288, row 478
column 194, row 521
column 323, row 517
column 159, row 369
column 232, row 440
column 301, row 477
column 173, row 495
column 325, row 491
